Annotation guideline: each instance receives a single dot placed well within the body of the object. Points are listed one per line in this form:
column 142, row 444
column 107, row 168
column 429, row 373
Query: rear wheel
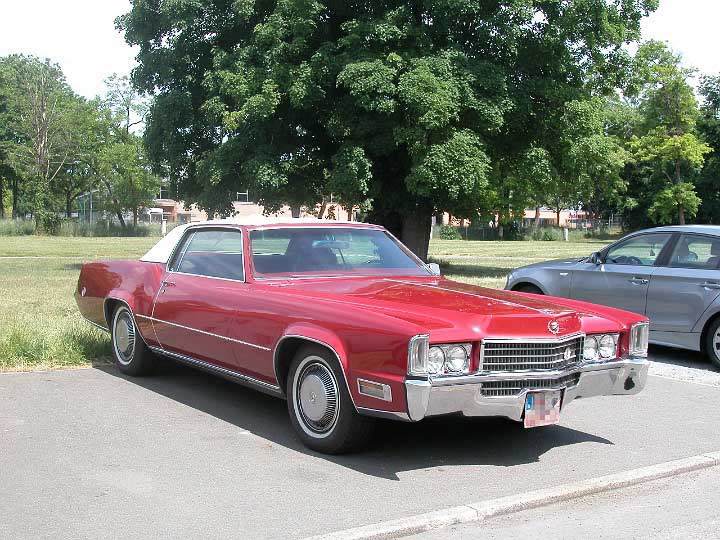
column 320, row 406
column 528, row 288
column 132, row 356
column 712, row 342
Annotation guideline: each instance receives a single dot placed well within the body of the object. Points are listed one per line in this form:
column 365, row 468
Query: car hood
column 556, row 263
column 446, row 308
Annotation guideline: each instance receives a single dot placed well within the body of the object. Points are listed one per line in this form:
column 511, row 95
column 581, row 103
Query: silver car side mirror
column 595, row 258
column 434, row 268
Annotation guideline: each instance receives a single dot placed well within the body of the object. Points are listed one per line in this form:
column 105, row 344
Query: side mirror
column 434, row 268
column 595, row 258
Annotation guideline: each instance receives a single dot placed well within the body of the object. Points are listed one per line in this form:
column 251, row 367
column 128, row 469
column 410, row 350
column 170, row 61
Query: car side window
column 642, row 250
column 211, row 253
column 699, row 252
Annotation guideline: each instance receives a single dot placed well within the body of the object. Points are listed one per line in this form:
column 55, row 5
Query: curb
column 480, row 511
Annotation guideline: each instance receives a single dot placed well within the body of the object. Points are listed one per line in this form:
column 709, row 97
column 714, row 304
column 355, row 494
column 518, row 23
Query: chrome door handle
column 639, row 281
column 710, row 285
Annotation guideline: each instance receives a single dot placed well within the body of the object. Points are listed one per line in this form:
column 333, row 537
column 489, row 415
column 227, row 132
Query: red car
column 347, row 324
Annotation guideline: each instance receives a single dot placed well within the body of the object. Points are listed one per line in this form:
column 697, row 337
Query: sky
column 80, row 35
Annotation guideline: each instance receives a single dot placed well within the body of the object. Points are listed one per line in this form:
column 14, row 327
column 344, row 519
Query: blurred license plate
column 542, row 408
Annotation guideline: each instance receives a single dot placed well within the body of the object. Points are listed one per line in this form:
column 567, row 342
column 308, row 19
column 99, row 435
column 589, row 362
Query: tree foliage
column 405, row 107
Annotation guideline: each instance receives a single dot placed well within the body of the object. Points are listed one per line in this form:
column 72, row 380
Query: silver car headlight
column 639, row 337
column 600, row 347
column 450, row 359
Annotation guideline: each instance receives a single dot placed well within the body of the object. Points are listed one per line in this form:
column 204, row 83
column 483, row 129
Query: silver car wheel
column 124, row 336
column 316, row 400
column 716, row 343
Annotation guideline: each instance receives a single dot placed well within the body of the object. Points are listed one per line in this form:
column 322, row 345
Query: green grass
column 40, row 327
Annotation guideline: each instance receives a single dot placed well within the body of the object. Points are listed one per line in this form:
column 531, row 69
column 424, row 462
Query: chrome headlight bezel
column 451, row 366
column 418, row 349
column 595, row 342
column 639, row 338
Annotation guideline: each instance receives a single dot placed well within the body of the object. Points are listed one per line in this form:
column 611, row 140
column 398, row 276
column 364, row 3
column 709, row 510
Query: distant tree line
column 56, row 145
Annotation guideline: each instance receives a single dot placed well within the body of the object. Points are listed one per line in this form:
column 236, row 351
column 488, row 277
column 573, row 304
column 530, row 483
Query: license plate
column 542, row 408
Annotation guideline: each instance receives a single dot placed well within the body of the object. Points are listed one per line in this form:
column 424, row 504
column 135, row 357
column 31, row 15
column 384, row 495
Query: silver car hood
column 556, row 263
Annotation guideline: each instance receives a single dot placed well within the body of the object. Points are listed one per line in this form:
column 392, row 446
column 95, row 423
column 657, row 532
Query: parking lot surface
column 90, row 454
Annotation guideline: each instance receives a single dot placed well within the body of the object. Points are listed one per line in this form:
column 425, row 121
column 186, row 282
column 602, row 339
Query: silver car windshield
column 329, row 251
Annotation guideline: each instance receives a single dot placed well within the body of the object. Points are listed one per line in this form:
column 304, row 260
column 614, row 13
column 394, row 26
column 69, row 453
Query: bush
column 447, row 232
column 549, row 235
column 16, row 227
column 107, row 228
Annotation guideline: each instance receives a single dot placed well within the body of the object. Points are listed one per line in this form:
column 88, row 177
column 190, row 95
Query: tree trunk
column 116, row 203
column 68, row 205
column 681, row 215
column 536, row 222
column 557, row 217
column 15, row 197
column 135, row 216
column 295, row 211
column 2, row 199
column 323, row 207
column 416, row 232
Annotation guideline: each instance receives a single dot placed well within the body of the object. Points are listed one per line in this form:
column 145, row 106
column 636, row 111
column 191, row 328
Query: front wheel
column 320, row 406
column 132, row 356
column 528, row 288
column 712, row 343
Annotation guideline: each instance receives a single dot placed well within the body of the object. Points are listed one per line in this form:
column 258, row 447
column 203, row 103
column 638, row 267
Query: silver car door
column 683, row 289
column 622, row 276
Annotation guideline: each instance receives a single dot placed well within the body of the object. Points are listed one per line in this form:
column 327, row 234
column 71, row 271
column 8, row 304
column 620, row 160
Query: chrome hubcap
column 124, row 334
column 317, row 397
column 716, row 343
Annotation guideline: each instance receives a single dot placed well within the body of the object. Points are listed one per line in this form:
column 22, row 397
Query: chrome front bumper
column 465, row 395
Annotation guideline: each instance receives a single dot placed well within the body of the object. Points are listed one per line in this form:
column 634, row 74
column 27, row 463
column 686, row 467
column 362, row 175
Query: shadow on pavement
column 396, row 446
column 680, row 357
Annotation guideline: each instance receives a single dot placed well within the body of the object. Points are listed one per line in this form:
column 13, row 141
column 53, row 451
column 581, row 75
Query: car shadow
column 680, row 357
column 396, row 446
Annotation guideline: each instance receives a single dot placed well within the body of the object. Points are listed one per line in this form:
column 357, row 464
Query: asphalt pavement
column 91, row 454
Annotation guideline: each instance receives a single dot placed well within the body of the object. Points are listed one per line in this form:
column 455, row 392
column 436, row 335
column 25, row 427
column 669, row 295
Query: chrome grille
column 504, row 355
column 513, row 388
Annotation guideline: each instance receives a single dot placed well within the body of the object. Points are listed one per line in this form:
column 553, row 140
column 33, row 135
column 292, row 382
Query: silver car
column 669, row 274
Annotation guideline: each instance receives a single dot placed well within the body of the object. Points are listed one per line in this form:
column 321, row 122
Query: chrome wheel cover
column 316, row 397
column 124, row 337
column 716, row 344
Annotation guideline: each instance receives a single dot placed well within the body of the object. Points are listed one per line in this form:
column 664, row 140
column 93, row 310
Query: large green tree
column 708, row 181
column 668, row 148
column 408, row 106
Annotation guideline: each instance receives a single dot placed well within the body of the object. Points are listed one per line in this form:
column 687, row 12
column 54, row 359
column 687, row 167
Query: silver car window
column 693, row 251
column 641, row 250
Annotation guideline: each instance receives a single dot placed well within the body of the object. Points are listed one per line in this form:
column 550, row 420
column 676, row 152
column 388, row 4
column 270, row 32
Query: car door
column 682, row 289
column 195, row 306
column 622, row 276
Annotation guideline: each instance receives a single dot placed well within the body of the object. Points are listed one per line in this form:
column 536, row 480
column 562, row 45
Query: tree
column 41, row 116
column 413, row 107
column 130, row 182
column 128, row 107
column 669, row 146
column 709, row 129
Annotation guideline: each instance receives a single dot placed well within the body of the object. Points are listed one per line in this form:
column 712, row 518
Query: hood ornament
column 554, row 327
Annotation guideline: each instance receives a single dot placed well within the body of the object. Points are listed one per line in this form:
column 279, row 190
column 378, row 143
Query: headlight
column 639, row 336
column 600, row 347
column 449, row 359
column 458, row 359
column 436, row 359
column 608, row 347
column 590, row 349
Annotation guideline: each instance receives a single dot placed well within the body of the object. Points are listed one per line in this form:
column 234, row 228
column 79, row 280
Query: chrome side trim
column 229, row 374
column 101, row 327
column 386, row 390
column 342, row 368
column 388, row 415
column 154, row 320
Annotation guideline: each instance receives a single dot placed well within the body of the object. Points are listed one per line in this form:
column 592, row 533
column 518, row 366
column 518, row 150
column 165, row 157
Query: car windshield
column 325, row 251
